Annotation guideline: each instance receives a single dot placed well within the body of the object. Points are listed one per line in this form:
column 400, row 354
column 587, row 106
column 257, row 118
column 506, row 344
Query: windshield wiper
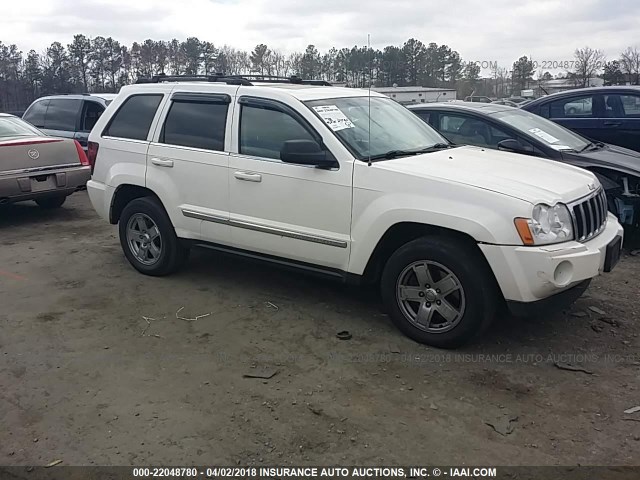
column 406, row 153
column 592, row 146
column 436, row 147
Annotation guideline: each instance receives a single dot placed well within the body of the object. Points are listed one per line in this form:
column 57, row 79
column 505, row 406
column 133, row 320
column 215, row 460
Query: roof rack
column 247, row 80
column 277, row 79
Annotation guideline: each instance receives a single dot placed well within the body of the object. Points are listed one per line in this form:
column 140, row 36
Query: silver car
column 37, row 167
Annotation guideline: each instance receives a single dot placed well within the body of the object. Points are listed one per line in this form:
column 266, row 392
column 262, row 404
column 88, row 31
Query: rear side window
column 133, row 119
column 62, row 114
column 196, row 124
column 35, row 114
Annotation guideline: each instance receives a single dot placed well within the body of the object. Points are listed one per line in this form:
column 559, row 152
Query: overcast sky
column 489, row 30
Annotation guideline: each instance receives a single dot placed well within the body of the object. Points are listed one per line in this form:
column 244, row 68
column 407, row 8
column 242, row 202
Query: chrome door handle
column 248, row 177
column 161, row 162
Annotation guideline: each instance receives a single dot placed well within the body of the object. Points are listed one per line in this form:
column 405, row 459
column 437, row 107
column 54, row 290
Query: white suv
column 350, row 184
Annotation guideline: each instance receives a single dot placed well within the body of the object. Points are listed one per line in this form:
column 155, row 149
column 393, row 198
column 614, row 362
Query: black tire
column 172, row 255
column 55, row 201
column 478, row 289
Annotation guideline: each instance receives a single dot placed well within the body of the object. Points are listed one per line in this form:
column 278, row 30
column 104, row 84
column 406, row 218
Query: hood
column 527, row 178
column 610, row 156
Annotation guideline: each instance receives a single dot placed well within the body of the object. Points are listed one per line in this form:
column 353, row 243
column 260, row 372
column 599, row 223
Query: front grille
column 590, row 216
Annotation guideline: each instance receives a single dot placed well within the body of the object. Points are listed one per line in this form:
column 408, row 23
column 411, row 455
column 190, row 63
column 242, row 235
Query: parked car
column 520, row 131
column 68, row 116
column 507, row 102
column 604, row 114
column 37, row 167
column 350, row 184
column 519, row 100
column 477, row 98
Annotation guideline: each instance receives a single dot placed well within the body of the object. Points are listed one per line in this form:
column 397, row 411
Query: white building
column 410, row 95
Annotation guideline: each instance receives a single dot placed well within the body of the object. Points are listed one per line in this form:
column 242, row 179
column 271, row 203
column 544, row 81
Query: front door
column 297, row 212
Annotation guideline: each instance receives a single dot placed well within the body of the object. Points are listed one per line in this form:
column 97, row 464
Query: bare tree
column 588, row 63
column 630, row 64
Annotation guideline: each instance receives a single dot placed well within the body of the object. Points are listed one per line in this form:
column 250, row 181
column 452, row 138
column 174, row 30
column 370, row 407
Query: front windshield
column 15, row 127
column 393, row 127
column 551, row 134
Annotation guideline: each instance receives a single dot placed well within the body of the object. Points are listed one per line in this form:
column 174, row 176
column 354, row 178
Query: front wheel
column 439, row 291
column 148, row 238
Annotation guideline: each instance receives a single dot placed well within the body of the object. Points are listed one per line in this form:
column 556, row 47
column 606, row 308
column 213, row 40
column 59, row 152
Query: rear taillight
column 81, row 155
column 92, row 153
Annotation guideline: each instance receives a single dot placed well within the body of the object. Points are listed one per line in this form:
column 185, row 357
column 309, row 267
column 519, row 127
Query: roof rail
column 246, row 80
column 194, row 78
column 278, row 79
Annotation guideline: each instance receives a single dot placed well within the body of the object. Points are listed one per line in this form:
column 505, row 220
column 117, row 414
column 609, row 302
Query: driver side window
column 264, row 130
column 464, row 130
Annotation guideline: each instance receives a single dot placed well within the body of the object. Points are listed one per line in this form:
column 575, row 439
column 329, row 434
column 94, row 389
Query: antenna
column 370, row 80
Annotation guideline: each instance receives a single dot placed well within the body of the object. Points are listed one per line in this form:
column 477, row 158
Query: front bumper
column 530, row 274
column 554, row 303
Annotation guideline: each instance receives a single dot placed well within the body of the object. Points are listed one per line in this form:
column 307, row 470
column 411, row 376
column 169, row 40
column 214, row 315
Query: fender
column 484, row 221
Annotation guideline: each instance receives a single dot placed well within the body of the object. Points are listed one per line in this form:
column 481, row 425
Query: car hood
column 527, row 178
column 610, row 156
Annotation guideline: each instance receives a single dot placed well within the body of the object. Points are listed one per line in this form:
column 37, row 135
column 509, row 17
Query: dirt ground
column 85, row 379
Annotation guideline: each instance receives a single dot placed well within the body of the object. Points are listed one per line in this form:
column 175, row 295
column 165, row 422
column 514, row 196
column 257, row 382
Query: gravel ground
column 85, row 379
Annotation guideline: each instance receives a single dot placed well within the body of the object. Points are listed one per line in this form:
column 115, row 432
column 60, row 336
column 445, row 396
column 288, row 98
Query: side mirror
column 513, row 145
column 306, row 152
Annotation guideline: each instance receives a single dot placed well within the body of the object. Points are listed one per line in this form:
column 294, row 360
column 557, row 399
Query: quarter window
column 35, row 114
column 196, row 124
column 133, row 119
column 423, row 115
column 263, row 131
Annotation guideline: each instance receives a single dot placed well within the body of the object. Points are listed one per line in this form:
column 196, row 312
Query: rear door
column 621, row 122
column 63, row 117
column 187, row 162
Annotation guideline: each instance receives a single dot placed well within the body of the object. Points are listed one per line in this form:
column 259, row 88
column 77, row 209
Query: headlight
column 546, row 225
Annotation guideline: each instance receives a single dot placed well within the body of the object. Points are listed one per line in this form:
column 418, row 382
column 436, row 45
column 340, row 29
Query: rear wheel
column 148, row 238
column 55, row 201
column 439, row 291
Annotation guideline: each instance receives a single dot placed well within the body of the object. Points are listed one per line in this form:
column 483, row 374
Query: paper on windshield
column 544, row 135
column 561, row 147
column 333, row 116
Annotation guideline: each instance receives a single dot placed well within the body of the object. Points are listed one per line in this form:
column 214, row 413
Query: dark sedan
column 605, row 114
column 519, row 131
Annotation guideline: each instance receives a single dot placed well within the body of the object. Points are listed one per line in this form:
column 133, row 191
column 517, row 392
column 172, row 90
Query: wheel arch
column 404, row 232
column 125, row 194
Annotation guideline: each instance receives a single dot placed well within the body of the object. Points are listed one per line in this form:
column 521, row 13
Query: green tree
column 80, row 58
column 612, row 73
column 259, row 59
column 415, row 55
column 522, row 72
column 310, row 62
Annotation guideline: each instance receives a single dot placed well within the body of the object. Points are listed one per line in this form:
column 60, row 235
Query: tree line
column 102, row 64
